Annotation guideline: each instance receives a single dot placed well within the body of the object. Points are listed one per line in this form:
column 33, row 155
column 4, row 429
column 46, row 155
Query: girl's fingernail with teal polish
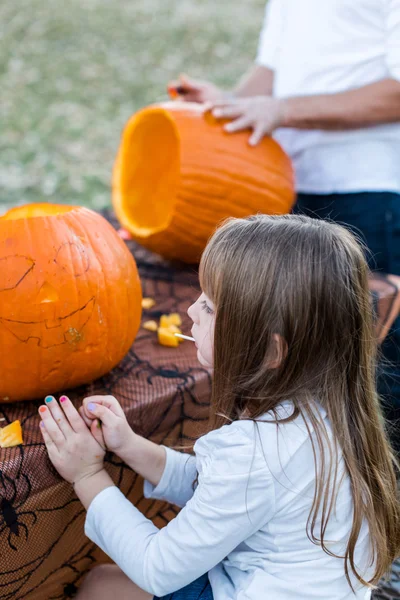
column 91, row 406
column 48, row 399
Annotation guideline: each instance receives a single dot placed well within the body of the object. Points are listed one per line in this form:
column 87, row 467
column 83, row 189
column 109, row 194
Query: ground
column 73, row 72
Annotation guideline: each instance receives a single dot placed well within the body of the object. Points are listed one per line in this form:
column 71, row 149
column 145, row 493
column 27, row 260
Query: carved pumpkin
column 178, row 175
column 70, row 299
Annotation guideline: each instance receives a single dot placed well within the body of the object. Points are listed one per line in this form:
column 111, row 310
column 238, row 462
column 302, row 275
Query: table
column 165, row 394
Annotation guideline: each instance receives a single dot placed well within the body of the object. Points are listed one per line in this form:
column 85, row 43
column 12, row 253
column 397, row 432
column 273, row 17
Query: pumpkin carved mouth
column 49, row 333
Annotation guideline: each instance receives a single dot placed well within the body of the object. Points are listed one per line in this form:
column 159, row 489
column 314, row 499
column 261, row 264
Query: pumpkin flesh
column 148, row 187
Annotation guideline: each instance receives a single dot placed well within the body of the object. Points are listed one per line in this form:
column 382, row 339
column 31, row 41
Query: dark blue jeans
column 198, row 590
column 375, row 216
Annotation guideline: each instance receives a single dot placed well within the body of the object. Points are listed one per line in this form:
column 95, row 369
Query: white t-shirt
column 330, row 46
column 245, row 523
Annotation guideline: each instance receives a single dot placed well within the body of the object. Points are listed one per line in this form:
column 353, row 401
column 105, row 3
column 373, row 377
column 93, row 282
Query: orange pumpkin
column 70, row 299
column 178, row 175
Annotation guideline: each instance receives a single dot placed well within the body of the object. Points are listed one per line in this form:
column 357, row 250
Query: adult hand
column 194, row 90
column 72, row 449
column 262, row 114
column 115, row 430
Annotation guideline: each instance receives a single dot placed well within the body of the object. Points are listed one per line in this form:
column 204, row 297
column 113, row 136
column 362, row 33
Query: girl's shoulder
column 273, row 437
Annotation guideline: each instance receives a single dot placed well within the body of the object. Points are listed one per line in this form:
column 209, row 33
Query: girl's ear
column 278, row 351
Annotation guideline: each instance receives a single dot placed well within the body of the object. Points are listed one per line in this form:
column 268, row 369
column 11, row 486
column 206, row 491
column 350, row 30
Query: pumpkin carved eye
column 13, row 270
column 47, row 293
column 73, row 258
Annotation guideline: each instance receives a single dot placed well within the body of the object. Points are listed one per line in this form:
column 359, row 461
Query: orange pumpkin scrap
column 148, row 303
column 70, row 299
column 178, row 174
column 166, row 337
column 11, row 435
column 150, row 325
column 172, row 319
column 169, row 325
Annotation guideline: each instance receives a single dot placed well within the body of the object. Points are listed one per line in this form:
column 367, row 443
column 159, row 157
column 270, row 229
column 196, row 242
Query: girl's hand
column 262, row 114
column 72, row 449
column 194, row 90
column 114, row 430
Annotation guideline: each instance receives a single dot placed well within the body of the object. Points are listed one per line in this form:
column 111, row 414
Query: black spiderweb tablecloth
column 44, row 553
column 165, row 394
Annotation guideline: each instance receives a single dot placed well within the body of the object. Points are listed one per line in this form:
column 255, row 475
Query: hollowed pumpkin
column 70, row 299
column 178, row 175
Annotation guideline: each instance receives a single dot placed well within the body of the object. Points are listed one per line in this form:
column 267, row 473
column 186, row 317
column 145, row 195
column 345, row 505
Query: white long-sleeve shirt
column 326, row 47
column 245, row 523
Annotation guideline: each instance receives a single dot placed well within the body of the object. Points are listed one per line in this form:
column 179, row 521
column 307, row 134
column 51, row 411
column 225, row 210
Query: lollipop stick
column 184, row 337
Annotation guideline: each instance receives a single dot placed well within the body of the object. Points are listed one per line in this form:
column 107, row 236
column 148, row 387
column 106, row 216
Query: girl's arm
column 169, row 474
column 234, row 499
column 144, row 457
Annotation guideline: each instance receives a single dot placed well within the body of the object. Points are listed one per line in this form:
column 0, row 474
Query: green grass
column 73, row 71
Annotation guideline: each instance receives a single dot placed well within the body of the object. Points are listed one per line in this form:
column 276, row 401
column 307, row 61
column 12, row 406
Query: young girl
column 292, row 493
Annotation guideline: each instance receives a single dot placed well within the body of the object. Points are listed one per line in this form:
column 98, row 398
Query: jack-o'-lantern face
column 47, row 301
column 70, row 299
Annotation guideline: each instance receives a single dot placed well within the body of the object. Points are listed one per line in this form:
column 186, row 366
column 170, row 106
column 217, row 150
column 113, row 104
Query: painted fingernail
column 41, row 423
column 98, row 424
column 48, row 399
column 63, row 398
column 91, row 406
column 42, row 409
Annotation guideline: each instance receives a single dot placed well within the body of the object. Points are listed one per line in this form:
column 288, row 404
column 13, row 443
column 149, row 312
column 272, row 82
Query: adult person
column 326, row 85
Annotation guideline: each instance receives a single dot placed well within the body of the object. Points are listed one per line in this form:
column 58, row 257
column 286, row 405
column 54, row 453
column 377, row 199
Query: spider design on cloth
column 171, row 372
column 11, row 518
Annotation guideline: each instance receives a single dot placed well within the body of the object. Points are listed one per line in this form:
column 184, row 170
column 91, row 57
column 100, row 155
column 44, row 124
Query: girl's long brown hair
column 307, row 281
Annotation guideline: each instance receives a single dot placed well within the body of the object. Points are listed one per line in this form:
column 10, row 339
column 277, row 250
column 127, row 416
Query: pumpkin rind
column 70, row 300
column 210, row 175
column 11, row 435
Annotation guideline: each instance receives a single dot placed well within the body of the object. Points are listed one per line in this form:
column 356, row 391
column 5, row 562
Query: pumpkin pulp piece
column 148, row 303
column 167, row 338
column 165, row 322
column 175, row 319
column 148, row 173
column 150, row 325
column 174, row 329
column 11, row 435
column 172, row 319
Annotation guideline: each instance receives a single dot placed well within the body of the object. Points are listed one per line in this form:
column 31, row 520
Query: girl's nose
column 192, row 313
